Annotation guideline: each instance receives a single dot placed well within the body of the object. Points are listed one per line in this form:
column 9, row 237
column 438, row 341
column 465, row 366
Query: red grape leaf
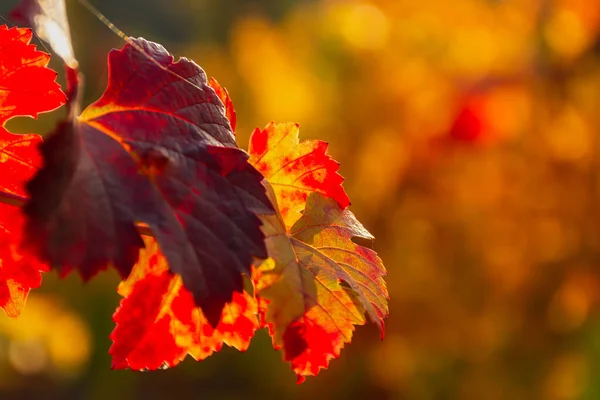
column 156, row 148
column 49, row 19
column 224, row 96
column 158, row 323
column 317, row 284
column 295, row 169
column 27, row 88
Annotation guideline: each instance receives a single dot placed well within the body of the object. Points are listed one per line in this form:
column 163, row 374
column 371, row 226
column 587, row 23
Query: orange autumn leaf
column 158, row 323
column 28, row 88
column 317, row 284
column 295, row 169
column 224, row 96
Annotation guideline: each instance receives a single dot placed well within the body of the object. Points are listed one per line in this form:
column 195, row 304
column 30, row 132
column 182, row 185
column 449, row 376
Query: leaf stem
column 19, row 201
column 12, row 199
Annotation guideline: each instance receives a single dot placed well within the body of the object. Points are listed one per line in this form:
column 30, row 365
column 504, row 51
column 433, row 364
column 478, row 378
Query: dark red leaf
column 156, row 148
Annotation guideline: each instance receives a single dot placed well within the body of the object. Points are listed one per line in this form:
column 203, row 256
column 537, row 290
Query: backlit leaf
column 224, row 96
column 158, row 323
column 28, row 88
column 295, row 169
column 317, row 284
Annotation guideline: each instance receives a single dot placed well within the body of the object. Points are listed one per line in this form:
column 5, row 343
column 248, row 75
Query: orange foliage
column 158, row 323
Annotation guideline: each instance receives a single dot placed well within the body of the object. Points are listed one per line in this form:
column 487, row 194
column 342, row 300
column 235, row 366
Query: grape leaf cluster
column 212, row 242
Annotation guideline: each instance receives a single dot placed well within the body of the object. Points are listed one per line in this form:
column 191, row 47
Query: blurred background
column 468, row 134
